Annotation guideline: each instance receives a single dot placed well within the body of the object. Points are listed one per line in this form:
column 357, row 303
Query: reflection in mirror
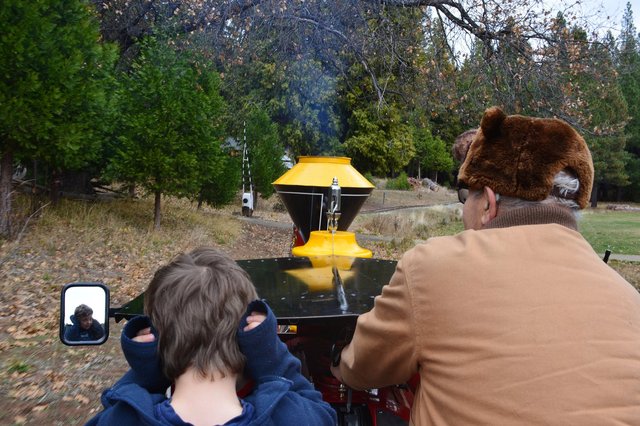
column 85, row 314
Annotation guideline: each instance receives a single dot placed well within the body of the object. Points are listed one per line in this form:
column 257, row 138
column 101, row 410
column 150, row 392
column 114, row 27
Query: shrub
column 401, row 182
column 369, row 176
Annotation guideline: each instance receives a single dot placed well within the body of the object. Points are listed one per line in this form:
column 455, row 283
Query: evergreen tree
column 603, row 108
column 222, row 188
column 442, row 105
column 53, row 91
column 433, row 153
column 380, row 135
column 299, row 95
column 265, row 151
column 307, row 108
column 379, row 142
column 629, row 76
column 474, row 88
column 171, row 124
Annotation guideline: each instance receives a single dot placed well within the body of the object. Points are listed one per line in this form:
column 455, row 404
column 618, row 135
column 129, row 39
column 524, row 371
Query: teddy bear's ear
column 492, row 121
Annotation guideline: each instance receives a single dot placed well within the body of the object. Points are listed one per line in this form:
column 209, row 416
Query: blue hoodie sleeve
column 143, row 358
column 72, row 333
column 269, row 359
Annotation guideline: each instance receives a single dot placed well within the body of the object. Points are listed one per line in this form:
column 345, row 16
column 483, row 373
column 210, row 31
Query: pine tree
column 53, row 90
column 602, row 107
column 629, row 76
column 171, row 124
column 266, row 151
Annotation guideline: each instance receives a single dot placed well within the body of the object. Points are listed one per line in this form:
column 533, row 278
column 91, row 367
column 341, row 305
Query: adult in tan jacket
column 516, row 320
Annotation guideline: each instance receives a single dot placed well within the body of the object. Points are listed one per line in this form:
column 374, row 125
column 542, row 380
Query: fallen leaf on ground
column 81, row 399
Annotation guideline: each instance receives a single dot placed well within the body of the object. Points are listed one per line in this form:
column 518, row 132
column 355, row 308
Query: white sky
column 93, row 297
column 605, row 14
column 594, row 15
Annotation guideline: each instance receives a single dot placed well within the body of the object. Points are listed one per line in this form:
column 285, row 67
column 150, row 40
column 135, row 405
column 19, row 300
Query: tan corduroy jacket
column 523, row 325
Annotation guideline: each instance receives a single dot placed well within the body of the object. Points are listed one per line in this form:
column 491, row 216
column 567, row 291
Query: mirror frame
column 62, row 314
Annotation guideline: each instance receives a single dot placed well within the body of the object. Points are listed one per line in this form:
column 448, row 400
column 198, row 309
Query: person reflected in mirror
column 204, row 331
column 516, row 320
column 83, row 328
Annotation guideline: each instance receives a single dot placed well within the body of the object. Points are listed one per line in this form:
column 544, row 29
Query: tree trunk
column 34, row 189
column 55, row 187
column 6, row 171
column 594, row 195
column 200, row 200
column 132, row 191
column 156, row 211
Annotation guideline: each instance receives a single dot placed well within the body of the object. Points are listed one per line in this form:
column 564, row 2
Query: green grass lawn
column 617, row 231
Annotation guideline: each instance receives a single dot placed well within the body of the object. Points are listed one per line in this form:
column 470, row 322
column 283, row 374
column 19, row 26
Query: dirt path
column 625, row 257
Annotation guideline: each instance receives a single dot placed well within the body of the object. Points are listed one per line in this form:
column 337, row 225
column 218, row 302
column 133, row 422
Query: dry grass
column 382, row 198
column 630, row 271
column 134, row 217
column 416, row 223
column 80, row 239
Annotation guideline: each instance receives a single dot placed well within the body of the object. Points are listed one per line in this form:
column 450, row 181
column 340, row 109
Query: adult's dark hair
column 82, row 311
column 196, row 303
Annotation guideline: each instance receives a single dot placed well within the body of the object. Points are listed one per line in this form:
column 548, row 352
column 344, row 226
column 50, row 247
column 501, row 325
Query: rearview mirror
column 84, row 314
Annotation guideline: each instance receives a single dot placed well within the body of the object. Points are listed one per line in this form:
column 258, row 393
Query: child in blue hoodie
column 204, row 328
column 84, row 328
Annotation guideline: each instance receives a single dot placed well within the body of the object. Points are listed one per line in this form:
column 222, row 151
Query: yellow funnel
column 318, row 171
column 322, row 243
column 304, row 191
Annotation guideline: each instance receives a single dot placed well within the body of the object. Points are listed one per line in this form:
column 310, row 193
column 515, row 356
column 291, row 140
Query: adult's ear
column 490, row 206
